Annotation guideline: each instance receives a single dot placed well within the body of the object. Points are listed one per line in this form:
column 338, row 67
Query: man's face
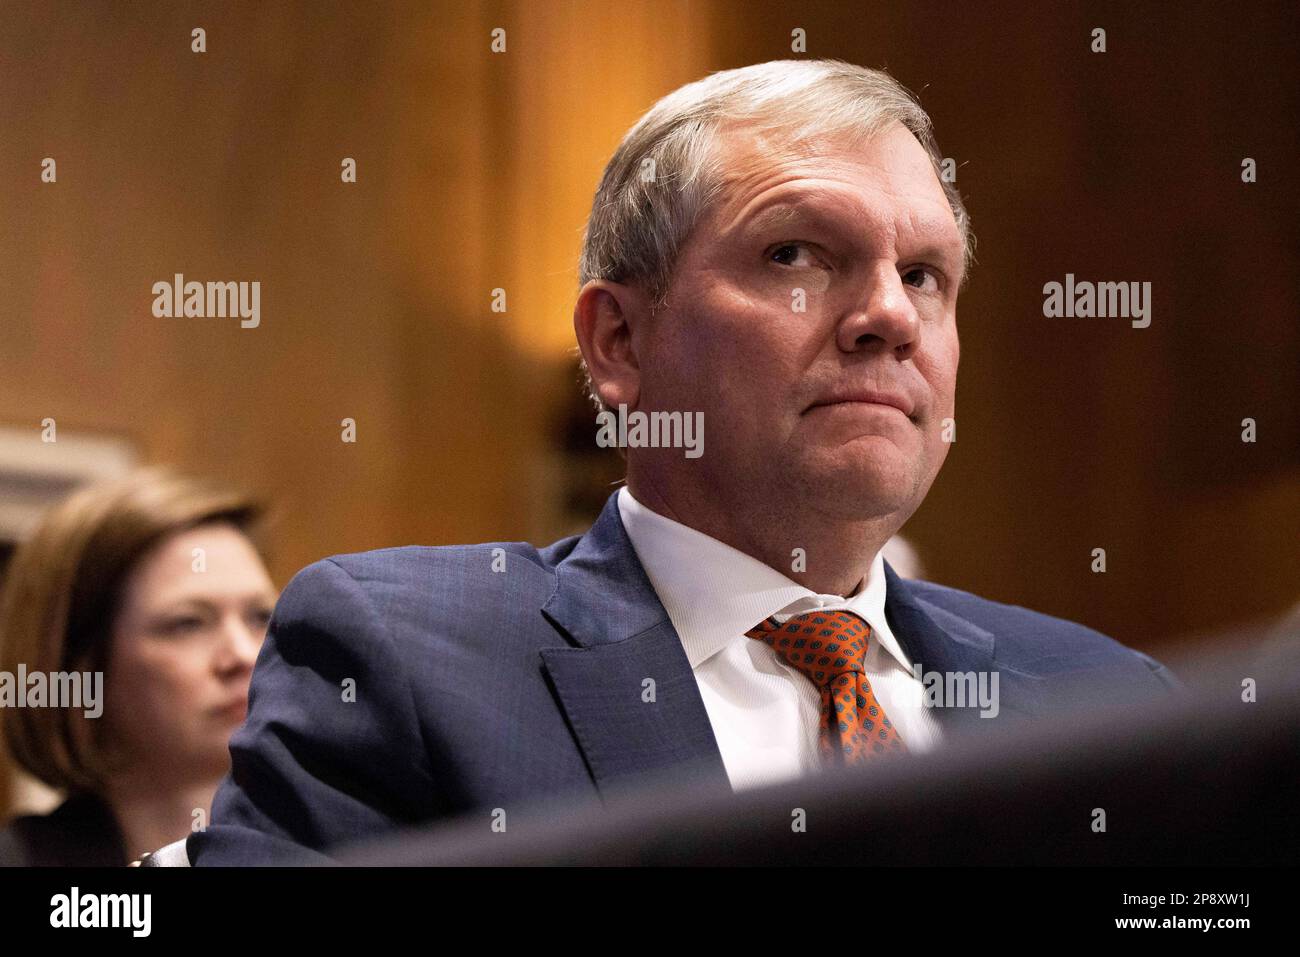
column 815, row 296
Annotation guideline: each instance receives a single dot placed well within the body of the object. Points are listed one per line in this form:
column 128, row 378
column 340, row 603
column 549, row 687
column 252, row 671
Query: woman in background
column 155, row 582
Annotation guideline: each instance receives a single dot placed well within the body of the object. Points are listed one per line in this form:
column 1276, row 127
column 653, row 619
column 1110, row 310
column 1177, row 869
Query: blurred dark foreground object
column 1204, row 779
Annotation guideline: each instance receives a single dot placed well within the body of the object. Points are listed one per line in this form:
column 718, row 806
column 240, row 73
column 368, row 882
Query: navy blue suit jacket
column 403, row 685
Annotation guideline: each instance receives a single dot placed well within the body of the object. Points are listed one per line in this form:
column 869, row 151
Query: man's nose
column 883, row 317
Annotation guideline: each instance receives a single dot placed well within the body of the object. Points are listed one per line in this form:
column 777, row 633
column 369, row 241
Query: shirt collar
column 714, row 593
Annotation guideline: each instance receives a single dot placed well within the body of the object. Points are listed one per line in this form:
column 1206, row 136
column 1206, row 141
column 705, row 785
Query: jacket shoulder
column 80, row 832
column 421, row 593
column 419, row 566
column 395, row 562
column 1036, row 641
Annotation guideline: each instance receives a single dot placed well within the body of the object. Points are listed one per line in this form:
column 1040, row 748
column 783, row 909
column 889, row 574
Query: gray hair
column 637, row 227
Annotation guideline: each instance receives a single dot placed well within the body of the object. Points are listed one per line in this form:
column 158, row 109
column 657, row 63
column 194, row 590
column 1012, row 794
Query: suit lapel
column 940, row 641
column 631, row 697
column 625, row 684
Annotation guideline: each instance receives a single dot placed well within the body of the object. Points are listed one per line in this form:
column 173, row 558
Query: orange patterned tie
column 829, row 647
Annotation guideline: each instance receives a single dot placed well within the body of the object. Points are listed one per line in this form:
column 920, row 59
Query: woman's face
column 193, row 615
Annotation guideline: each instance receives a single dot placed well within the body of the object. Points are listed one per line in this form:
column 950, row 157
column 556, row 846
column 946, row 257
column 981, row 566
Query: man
column 770, row 250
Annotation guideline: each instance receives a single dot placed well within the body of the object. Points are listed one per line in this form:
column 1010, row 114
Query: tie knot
column 821, row 644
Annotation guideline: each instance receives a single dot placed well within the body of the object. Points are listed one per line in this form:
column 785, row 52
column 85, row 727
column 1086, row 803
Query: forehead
column 168, row 570
column 888, row 173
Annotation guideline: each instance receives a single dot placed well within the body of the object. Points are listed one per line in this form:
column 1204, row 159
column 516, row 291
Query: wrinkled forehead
column 738, row 142
column 748, row 160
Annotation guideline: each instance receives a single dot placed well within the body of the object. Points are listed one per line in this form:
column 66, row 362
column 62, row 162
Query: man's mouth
column 866, row 397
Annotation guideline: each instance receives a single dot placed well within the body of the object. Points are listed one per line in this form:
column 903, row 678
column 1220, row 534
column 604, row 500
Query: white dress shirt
column 765, row 713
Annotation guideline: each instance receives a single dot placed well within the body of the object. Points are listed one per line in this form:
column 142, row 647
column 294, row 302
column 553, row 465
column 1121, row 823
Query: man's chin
column 876, row 459
column 857, row 485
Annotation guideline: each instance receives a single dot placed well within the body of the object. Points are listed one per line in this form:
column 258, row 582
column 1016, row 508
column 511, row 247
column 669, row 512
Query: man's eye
column 922, row 272
column 787, row 254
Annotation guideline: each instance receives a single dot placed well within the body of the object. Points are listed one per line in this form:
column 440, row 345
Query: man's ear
column 604, row 318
